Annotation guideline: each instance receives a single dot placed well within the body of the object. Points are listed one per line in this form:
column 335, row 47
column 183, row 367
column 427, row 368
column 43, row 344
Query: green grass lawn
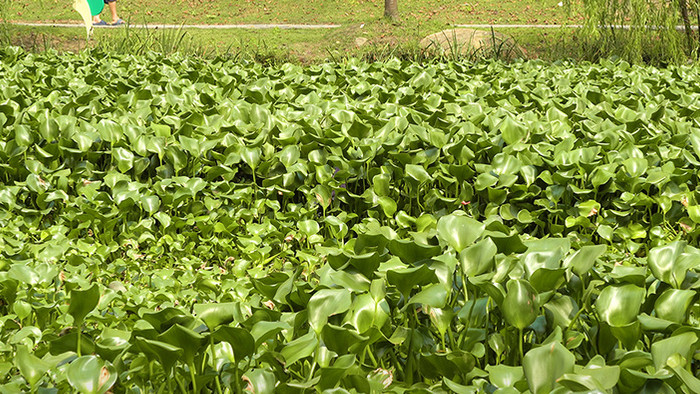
column 358, row 18
column 310, row 11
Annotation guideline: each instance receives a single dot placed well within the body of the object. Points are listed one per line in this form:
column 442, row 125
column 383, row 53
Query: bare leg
column 113, row 11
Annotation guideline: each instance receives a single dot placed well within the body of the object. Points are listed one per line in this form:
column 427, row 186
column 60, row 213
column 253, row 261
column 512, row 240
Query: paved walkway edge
column 283, row 26
column 502, row 26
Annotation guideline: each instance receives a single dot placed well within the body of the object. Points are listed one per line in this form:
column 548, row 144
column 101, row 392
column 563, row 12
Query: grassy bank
column 360, row 22
column 359, row 19
column 416, row 12
column 275, row 45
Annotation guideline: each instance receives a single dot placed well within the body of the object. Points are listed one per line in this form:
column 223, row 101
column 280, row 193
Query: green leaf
column 366, row 312
column 681, row 344
column 31, row 367
column 588, row 208
column 91, row 375
column 48, row 128
column 309, row 227
column 164, row 353
column 545, row 364
column 434, row 295
column 342, row 340
column 478, row 258
column 675, row 362
column 619, row 305
column 251, row 156
column 583, row 259
column 241, row 341
column 459, row 231
column 289, row 155
column 323, row 195
column 503, row 376
column 381, row 184
column 578, row 383
column 662, row 261
column 161, row 130
column 673, row 305
column 150, row 204
column 560, row 310
column 23, row 137
column 325, row 303
column 189, row 341
column 23, row 274
column 694, row 213
column 411, row 252
column 124, row 159
column 216, row 314
column 261, row 380
column 418, row 173
column 520, row 304
column 163, row 218
column 36, row 184
column 512, row 131
column 406, row 279
column 83, row 302
column 636, row 167
column 299, row 348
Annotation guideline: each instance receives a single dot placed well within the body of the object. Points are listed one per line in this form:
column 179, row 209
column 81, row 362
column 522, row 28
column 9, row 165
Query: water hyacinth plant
column 172, row 224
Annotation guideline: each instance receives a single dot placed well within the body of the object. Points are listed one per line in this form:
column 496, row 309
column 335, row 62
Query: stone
column 360, row 41
column 472, row 43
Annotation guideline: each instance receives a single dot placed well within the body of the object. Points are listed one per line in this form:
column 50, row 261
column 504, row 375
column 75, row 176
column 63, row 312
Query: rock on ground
column 472, row 43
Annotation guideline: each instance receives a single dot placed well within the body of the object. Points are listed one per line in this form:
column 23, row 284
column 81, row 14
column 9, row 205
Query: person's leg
column 97, row 20
column 113, row 10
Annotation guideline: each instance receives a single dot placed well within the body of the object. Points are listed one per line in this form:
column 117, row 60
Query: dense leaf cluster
column 170, row 224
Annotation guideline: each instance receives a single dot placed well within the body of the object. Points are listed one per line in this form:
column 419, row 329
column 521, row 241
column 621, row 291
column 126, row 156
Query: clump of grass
column 579, row 46
column 139, row 41
column 259, row 52
column 4, row 26
column 498, row 49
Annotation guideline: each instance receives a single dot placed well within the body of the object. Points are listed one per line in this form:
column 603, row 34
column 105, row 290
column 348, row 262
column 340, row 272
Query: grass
column 301, row 46
column 359, row 19
column 415, row 12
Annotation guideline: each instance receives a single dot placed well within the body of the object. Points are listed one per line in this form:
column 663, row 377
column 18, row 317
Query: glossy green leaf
column 681, row 344
column 619, row 305
column 663, row 260
column 189, row 341
column 544, row 365
column 31, row 367
column 215, row 315
column 520, row 304
column 91, row 375
column 478, row 258
column 124, row 159
column 583, row 259
column 459, row 231
column 407, row 279
column 673, row 304
column 163, row 352
column 504, row 376
column 300, row 348
column 325, row 303
column 241, row 340
column 83, row 302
